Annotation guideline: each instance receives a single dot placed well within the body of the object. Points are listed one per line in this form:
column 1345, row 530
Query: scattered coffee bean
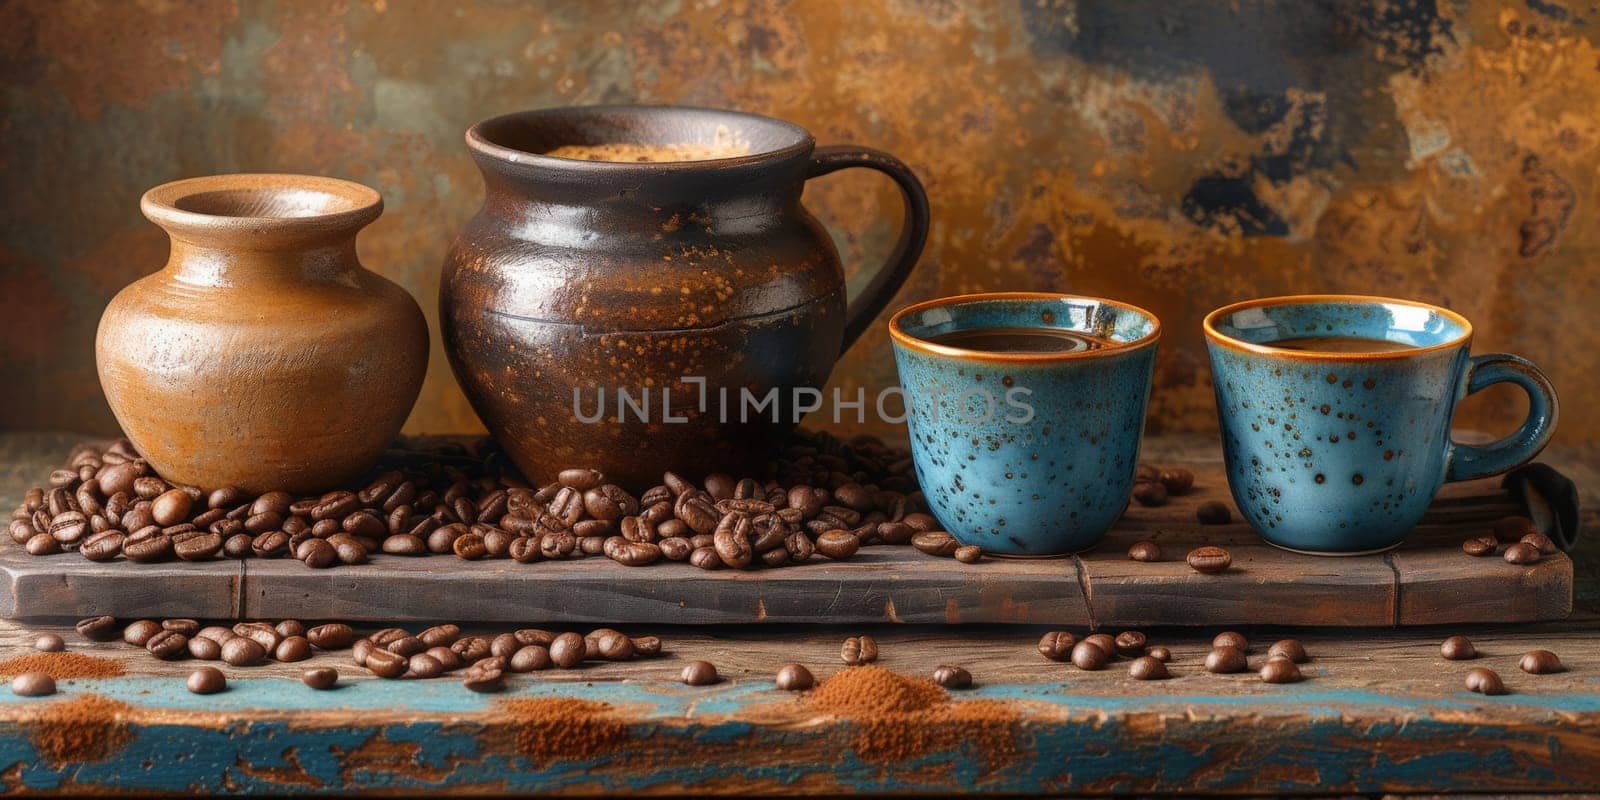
column 529, row 658
column 1231, row 639
column 1159, row 653
column 1148, row 668
column 1213, row 512
column 1105, row 642
column 1057, row 645
column 1511, row 529
column 98, row 629
column 700, row 673
column 423, row 666
column 49, row 643
column 1178, row 480
column 935, row 543
column 242, row 651
column 1291, row 649
column 332, row 636
column 204, row 649
column 168, row 645
column 320, row 677
column 647, row 646
column 1150, row 493
column 291, row 649
column 207, row 680
column 858, row 650
column 187, row 627
column 1087, row 655
column 1546, row 545
column 794, row 678
column 1145, row 550
column 968, row 554
column 1279, row 670
column 1222, row 660
column 952, row 677
column 837, row 544
column 1521, row 553
column 1479, row 546
column 567, row 650
column 1540, row 662
column 1209, row 560
column 33, row 684
column 1458, row 648
column 1130, row 643
column 484, row 679
column 1485, row 681
column 385, row 663
column 139, row 632
column 614, row 646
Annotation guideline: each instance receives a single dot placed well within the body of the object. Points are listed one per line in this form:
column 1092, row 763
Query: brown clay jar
column 581, row 277
column 263, row 355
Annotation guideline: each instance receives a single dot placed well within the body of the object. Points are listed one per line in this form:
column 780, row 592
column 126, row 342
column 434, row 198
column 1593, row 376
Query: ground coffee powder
column 902, row 718
column 61, row 666
column 81, row 729
column 548, row 728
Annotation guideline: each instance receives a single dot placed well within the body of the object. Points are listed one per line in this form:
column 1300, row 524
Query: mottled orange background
column 1176, row 155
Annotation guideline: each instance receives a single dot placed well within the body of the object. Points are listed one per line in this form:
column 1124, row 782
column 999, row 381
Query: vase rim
column 497, row 138
column 276, row 204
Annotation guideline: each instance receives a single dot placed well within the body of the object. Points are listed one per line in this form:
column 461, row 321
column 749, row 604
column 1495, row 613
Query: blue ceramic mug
column 1025, row 411
column 1336, row 411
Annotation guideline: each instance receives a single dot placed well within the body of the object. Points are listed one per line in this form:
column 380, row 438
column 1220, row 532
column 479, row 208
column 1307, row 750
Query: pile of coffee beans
column 1525, row 543
column 1153, row 485
column 1149, row 662
column 244, row 644
column 822, row 496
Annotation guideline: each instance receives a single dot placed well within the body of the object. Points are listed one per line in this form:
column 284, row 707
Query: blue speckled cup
column 1025, row 454
column 1340, row 453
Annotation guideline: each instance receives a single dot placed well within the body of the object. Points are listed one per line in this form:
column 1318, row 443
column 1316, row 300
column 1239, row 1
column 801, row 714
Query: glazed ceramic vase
column 263, row 355
column 628, row 316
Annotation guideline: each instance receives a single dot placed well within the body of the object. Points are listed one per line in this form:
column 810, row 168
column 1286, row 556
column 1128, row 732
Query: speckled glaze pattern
column 1045, row 467
column 1341, row 453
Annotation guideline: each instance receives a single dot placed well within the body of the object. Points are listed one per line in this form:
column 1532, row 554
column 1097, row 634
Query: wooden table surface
column 1380, row 711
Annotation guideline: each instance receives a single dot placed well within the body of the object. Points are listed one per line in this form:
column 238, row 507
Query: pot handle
column 880, row 284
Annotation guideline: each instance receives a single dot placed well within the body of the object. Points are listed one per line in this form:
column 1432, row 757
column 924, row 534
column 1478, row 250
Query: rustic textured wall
column 1175, row 155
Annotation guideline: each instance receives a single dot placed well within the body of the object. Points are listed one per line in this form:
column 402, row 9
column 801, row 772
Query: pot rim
column 481, row 144
column 181, row 205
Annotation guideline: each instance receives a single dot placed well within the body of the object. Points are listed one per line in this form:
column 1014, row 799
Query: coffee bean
column 33, row 684
column 216, row 633
column 1222, row 660
column 1521, row 553
column 1485, row 681
column 1145, row 550
column 1458, row 648
column 43, row 544
column 505, row 644
column 1130, row 643
column 291, row 649
column 1148, row 668
column 206, row 680
column 1231, row 639
column 1540, row 662
column 1057, row 645
column 1291, row 649
column 263, row 634
column 198, row 548
column 484, row 679
column 647, row 646
column 952, row 677
column 935, row 542
column 242, row 651
column 98, row 629
column 1159, row 653
column 204, row 649
column 332, row 636
column 1088, row 655
column 529, row 658
column 700, row 673
column 290, row 627
column 440, row 635
column 171, row 507
column 615, row 647
column 386, row 664
column 837, row 544
column 347, row 549
column 69, row 527
column 1178, row 480
column 168, row 645
column 895, row 533
column 1150, row 494
column 270, row 544
column 537, row 636
column 49, row 643
column 1546, row 545
column 405, row 544
column 580, row 479
column 139, row 632
column 631, row 554
column 406, row 645
column 1279, row 670
column 1479, row 546
column 237, row 545
column 567, row 650
column 423, row 666
column 675, row 548
column 469, row 546
column 1213, row 512
column 187, row 627
column 794, row 678
column 1209, row 560
column 448, row 658
column 968, row 554
column 320, row 677
column 858, row 650
column 1511, row 529
column 1105, row 642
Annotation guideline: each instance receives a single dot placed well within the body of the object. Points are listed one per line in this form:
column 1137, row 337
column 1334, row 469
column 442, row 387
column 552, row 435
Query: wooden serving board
column 1427, row 581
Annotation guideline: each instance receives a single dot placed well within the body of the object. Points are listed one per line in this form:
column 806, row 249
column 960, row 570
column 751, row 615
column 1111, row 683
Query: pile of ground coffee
column 61, row 666
column 902, row 718
column 548, row 728
column 81, row 729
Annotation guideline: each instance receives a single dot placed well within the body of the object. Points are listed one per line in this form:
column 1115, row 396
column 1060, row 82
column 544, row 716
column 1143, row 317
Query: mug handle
column 883, row 282
column 1467, row 462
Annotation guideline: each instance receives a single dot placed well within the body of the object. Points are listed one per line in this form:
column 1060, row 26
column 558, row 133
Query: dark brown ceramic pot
column 263, row 355
column 686, row 286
